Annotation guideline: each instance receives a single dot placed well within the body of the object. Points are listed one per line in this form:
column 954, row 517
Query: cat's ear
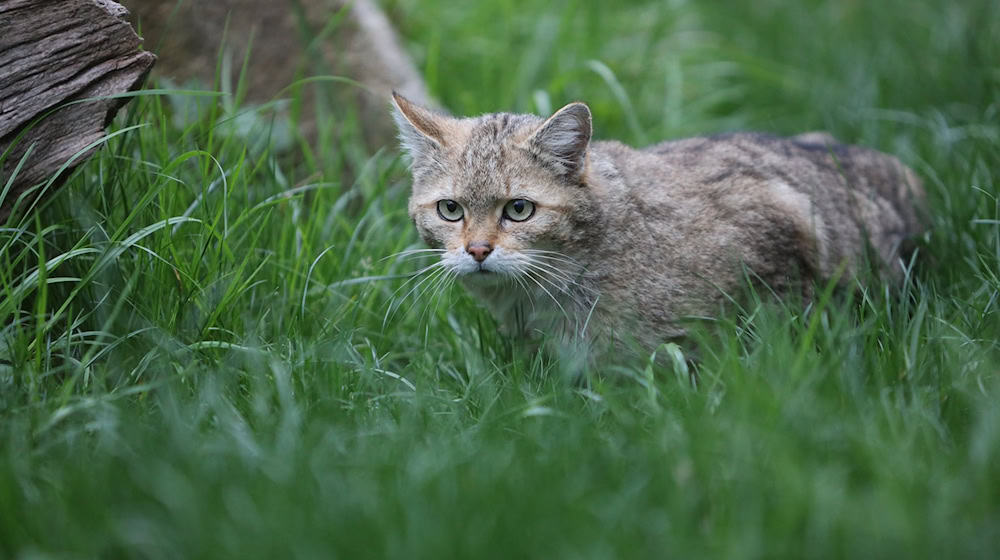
column 422, row 132
column 563, row 138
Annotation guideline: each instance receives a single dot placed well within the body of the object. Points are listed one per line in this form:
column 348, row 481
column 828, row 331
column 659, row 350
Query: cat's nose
column 479, row 250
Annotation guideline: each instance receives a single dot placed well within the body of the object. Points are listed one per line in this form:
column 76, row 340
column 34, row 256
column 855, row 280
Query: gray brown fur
column 647, row 238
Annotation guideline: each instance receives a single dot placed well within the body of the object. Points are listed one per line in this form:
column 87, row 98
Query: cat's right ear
column 421, row 130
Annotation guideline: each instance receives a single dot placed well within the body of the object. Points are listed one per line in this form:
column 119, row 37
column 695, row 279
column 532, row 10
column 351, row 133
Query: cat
column 559, row 234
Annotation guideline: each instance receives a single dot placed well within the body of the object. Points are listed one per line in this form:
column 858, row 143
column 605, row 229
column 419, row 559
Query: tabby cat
column 556, row 233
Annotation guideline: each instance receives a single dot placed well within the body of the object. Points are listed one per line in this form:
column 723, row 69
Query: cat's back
column 848, row 186
column 750, row 192
column 804, row 163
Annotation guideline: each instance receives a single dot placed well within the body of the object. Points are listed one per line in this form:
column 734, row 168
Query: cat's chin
column 486, row 278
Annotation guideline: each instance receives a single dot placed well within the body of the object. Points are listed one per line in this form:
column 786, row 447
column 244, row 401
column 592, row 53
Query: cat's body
column 630, row 241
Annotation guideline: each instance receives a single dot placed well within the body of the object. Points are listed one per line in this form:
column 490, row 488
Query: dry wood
column 52, row 53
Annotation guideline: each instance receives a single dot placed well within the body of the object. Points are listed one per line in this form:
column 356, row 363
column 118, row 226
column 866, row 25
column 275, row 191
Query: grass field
column 195, row 361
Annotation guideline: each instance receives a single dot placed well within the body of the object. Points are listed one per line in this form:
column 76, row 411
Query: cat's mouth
column 497, row 264
column 484, row 276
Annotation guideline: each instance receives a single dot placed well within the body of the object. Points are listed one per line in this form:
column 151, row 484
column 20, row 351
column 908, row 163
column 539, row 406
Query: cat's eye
column 450, row 210
column 519, row 209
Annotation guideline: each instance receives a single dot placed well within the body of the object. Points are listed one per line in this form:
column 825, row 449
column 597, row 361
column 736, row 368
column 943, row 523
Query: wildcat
column 555, row 233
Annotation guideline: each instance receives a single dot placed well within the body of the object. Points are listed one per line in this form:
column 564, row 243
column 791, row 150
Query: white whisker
column 413, row 253
column 441, row 287
column 430, row 277
column 431, row 287
column 395, row 303
column 558, row 282
column 546, row 290
column 416, row 275
column 527, row 292
column 568, row 281
column 556, row 273
column 567, row 277
column 549, row 257
column 552, row 255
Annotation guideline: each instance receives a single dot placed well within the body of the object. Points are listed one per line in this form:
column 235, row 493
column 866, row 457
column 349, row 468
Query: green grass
column 193, row 362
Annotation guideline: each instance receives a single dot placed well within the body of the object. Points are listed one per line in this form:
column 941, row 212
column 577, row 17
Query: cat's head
column 496, row 192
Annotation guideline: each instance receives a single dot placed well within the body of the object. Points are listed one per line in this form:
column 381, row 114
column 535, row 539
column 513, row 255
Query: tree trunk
column 52, row 53
column 279, row 37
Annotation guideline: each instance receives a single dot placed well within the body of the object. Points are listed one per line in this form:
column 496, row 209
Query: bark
column 54, row 53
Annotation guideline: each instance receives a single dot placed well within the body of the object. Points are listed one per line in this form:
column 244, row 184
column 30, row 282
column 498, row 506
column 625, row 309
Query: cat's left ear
column 563, row 138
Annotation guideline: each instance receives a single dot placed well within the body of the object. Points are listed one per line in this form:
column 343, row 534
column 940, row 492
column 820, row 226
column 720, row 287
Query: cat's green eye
column 519, row 210
column 450, row 210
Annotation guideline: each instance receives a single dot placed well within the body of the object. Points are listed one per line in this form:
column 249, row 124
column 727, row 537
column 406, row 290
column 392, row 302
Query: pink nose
column 479, row 250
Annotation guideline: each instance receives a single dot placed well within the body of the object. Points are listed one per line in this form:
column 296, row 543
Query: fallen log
column 55, row 56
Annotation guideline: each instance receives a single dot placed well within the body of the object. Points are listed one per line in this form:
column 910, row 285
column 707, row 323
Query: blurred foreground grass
column 195, row 359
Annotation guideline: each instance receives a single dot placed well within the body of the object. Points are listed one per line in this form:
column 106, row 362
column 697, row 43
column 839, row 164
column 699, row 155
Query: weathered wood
column 52, row 53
